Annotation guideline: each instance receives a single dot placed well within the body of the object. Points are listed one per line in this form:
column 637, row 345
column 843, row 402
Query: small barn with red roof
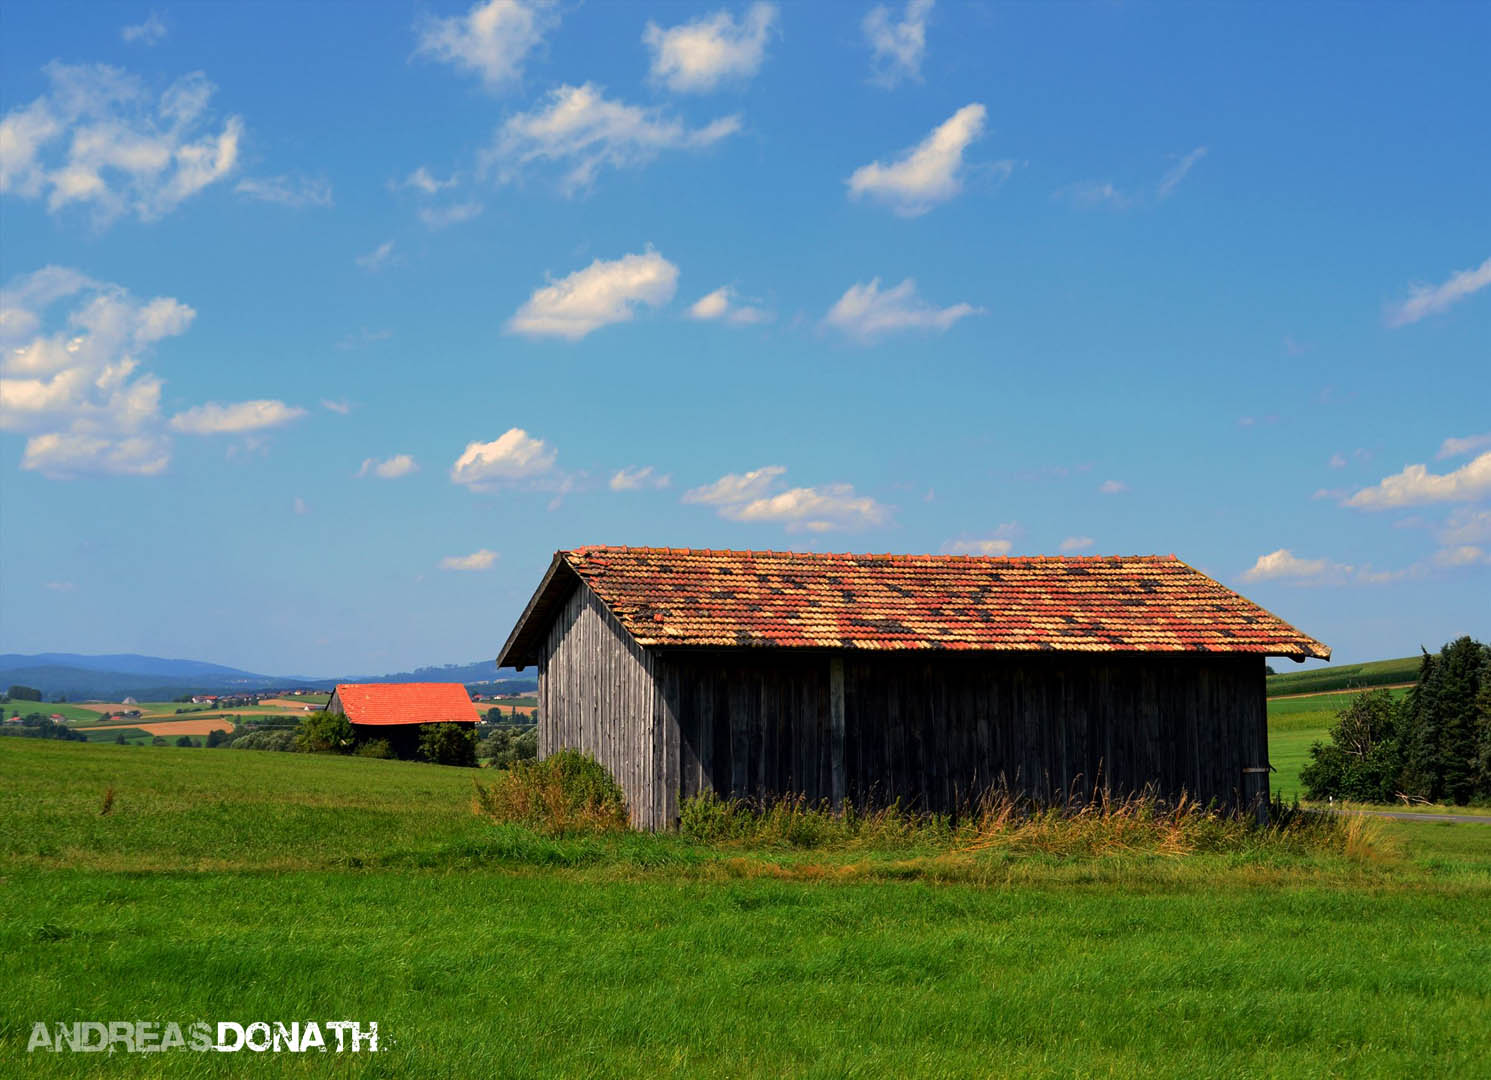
column 924, row 678
column 397, row 711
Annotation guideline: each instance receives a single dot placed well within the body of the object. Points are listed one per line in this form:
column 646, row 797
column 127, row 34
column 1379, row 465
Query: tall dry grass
column 566, row 792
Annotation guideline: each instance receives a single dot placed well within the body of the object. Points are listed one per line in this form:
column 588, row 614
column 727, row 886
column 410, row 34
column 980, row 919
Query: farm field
column 47, row 708
column 186, row 725
column 490, row 950
column 1395, row 672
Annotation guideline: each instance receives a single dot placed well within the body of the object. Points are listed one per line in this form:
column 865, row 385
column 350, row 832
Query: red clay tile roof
column 406, row 703
column 1150, row 603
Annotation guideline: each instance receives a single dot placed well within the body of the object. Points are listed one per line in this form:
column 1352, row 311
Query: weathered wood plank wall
column 934, row 731
column 596, row 693
column 937, row 732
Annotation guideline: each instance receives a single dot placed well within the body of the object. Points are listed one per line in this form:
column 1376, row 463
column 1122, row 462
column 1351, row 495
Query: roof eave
column 521, row 648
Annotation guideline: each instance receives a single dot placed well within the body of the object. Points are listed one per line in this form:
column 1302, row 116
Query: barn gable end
column 597, row 693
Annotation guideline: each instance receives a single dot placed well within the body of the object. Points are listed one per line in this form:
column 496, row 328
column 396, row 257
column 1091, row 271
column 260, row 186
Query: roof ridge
column 587, row 549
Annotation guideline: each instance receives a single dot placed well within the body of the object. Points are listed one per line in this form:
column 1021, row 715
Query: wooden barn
column 924, row 678
column 397, row 711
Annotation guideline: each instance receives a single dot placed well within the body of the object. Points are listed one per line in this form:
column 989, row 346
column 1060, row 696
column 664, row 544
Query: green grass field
column 236, row 885
column 1345, row 677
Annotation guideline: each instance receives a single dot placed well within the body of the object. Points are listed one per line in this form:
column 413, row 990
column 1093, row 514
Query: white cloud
column 1426, row 300
column 149, row 32
column 390, row 469
column 1112, row 487
column 300, row 506
column 240, row 416
column 378, row 258
column 99, row 138
column 1466, row 526
column 296, row 192
column 441, row 217
column 581, row 130
column 865, row 313
column 1337, row 461
column 1172, row 179
column 423, row 181
column 897, row 48
column 968, row 545
column 512, row 457
column 700, row 54
column 61, row 586
column 749, row 497
column 477, row 560
column 1092, row 193
column 492, row 39
column 1284, row 565
column 79, row 390
column 632, row 478
column 926, row 174
column 736, row 488
column 68, row 453
column 1076, row 543
column 1452, row 447
column 720, row 305
column 1462, row 555
column 1416, row 486
column 599, row 295
column 342, row 407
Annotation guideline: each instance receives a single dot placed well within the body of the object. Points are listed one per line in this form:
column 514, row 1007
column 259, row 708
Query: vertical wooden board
column 836, row 730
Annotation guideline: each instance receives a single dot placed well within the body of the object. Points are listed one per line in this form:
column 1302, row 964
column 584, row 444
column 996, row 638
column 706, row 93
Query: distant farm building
column 397, row 711
column 928, row 679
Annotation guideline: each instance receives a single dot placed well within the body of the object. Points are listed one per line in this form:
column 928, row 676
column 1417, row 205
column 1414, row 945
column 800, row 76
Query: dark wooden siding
column 596, row 694
column 939, row 731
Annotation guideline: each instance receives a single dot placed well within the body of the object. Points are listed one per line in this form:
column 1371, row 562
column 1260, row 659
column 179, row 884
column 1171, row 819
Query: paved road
column 1404, row 815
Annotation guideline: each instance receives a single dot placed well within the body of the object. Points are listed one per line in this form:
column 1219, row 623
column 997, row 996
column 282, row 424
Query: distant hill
column 1405, row 669
column 153, row 678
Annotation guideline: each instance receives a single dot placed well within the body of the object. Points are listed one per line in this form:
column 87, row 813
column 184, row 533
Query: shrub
column 217, row 737
column 159, row 740
column 265, row 740
column 1364, row 758
column 184, row 740
column 375, row 748
column 447, row 744
column 503, row 747
column 325, row 733
column 565, row 792
column 120, row 739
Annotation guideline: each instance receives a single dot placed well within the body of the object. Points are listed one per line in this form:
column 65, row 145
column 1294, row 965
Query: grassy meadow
column 241, row 885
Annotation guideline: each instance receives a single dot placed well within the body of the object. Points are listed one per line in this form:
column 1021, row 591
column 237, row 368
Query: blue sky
column 326, row 325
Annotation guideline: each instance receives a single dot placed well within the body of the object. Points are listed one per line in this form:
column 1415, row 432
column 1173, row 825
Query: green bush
column 265, row 740
column 375, row 748
column 217, row 737
column 447, row 744
column 504, row 746
column 1363, row 761
column 325, row 733
column 567, row 791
